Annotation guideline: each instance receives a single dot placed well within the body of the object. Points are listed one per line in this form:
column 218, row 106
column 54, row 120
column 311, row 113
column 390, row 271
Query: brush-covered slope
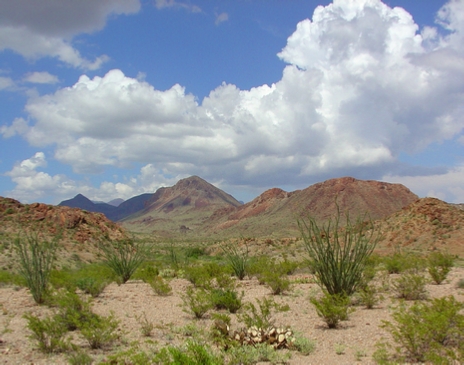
column 181, row 208
column 79, row 230
column 427, row 224
column 276, row 212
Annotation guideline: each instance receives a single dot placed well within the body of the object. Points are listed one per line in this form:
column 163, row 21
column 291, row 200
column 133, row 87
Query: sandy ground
column 353, row 343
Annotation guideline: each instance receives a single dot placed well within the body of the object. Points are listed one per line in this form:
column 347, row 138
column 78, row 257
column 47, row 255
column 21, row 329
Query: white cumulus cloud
column 46, row 28
column 41, row 78
column 361, row 84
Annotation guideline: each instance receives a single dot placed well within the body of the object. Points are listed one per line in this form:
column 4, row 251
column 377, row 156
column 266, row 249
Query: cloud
column 162, row 4
column 32, row 184
column 6, row 83
column 220, row 18
column 39, row 30
column 446, row 186
column 361, row 85
column 41, row 78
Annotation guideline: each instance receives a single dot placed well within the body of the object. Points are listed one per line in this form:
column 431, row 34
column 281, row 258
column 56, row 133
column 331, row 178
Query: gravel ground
column 352, row 343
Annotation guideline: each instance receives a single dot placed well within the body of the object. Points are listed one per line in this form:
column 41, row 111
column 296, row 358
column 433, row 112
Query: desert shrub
column 194, row 252
column 400, row 262
column 303, row 345
column 227, row 299
column 276, row 280
column 146, row 272
column 198, row 275
column 160, row 286
column 261, row 316
column 197, row 301
column 146, row 327
column 460, row 284
column 338, row 255
column 79, row 357
column 410, row 286
column 100, row 331
column 91, row 286
column 259, row 353
column 134, row 355
column 258, row 265
column 238, row 259
column 72, row 310
column 427, row 332
column 192, row 353
column 219, row 331
column 332, row 308
column 36, row 258
column 369, row 296
column 439, row 265
column 124, row 256
column 62, row 279
column 49, row 333
column 9, row 278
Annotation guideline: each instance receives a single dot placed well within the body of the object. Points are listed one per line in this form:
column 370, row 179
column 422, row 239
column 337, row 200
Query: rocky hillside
column 183, row 208
column 276, row 212
column 425, row 225
column 79, row 229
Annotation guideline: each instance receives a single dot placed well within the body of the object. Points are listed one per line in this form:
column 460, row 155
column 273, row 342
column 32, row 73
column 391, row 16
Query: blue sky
column 117, row 98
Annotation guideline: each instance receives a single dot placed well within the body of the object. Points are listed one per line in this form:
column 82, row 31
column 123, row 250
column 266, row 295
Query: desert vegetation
column 244, row 301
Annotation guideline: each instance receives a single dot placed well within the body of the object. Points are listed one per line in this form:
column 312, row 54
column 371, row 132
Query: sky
column 117, row 98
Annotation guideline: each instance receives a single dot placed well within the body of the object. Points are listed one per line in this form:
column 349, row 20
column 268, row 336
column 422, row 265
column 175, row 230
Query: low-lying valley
column 189, row 275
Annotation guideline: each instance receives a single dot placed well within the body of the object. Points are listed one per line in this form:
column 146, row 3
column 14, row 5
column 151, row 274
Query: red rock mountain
column 276, row 212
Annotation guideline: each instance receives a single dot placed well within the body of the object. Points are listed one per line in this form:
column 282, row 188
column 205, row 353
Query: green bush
column 400, row 262
column 100, row 331
column 72, row 310
column 260, row 317
column 439, row 266
column 238, row 259
column 276, row 280
column 124, row 256
column 332, row 308
column 91, row 286
column 199, row 276
column 192, row 353
column 160, row 286
column 36, row 258
column 427, row 332
column 339, row 255
column 79, row 357
column 410, row 286
column 369, row 296
column 197, row 301
column 49, row 333
column 227, row 299
column 259, row 353
column 303, row 345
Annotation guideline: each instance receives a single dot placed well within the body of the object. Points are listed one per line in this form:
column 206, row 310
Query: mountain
column 116, row 202
column 276, row 212
column 111, row 211
column 184, row 207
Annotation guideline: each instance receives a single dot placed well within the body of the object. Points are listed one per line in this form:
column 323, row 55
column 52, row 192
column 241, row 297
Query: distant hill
column 79, row 229
column 184, row 207
column 427, row 224
column 276, row 212
column 116, row 202
column 112, row 211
